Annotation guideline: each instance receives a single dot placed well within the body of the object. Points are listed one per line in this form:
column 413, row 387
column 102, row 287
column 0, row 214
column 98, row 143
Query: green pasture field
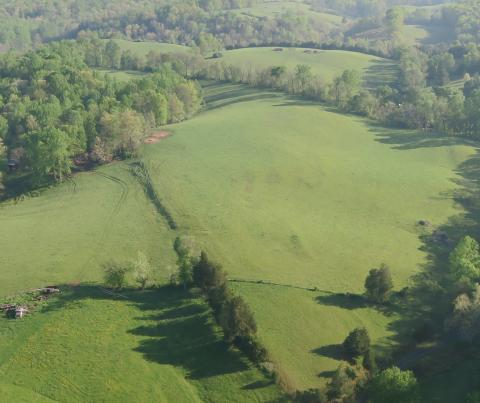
column 142, row 48
column 277, row 190
column 284, row 191
column 70, row 230
column 326, row 64
column 426, row 34
column 122, row 75
column 277, row 8
column 151, row 346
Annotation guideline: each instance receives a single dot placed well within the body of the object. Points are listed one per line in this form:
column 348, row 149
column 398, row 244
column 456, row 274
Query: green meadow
column 142, row 48
column 152, row 346
column 284, row 191
column 326, row 64
column 295, row 201
column 426, row 34
column 66, row 233
column 277, row 8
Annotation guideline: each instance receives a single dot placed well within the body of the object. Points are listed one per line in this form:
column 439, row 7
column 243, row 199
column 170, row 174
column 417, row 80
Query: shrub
column 378, row 284
column 393, row 385
column 207, row 275
column 218, row 298
column 236, row 319
column 370, row 362
column 310, row 396
column 357, row 342
column 252, row 348
column 115, row 274
column 142, row 270
column 342, row 385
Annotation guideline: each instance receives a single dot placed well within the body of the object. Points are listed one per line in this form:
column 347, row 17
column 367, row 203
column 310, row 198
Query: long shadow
column 380, row 72
column 234, row 93
column 355, row 301
column 401, row 139
column 333, row 351
column 429, row 298
column 182, row 334
column 345, row 301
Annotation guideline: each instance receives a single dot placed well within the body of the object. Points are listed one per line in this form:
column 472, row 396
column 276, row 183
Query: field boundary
column 140, row 172
column 268, row 282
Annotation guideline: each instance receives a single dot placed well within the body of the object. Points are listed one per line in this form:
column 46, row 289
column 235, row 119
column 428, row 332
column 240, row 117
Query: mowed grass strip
column 157, row 345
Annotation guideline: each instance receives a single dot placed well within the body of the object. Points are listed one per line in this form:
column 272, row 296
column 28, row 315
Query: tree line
column 407, row 103
column 55, row 110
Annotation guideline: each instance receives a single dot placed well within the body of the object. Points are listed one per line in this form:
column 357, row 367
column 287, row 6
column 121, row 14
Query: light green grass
column 414, row 34
column 277, row 8
column 122, row 75
column 327, row 64
column 274, row 189
column 426, row 34
column 69, row 231
column 304, row 333
column 142, row 48
column 154, row 346
column 286, row 191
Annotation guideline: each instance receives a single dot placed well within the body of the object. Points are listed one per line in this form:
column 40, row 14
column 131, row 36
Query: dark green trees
column 208, row 275
column 231, row 311
column 378, row 284
column 55, row 109
column 357, row 342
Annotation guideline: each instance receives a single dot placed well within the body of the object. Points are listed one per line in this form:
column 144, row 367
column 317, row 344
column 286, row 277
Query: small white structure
column 20, row 311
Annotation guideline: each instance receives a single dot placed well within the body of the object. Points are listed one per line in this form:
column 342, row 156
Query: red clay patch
column 156, row 137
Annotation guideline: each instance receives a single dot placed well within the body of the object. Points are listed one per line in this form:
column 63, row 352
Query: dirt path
column 156, row 137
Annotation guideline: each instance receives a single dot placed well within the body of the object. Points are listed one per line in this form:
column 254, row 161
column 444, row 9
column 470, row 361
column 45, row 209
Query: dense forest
column 56, row 110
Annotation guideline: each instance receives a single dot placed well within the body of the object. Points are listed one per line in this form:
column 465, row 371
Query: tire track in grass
column 101, row 240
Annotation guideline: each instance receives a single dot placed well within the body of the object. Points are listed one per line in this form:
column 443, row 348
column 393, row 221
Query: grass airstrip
column 295, row 201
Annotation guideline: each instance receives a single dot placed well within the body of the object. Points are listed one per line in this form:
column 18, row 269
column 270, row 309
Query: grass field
column 277, row 190
column 154, row 346
column 426, row 34
column 69, row 231
column 122, row 75
column 327, row 64
column 284, row 191
column 277, row 8
column 142, row 48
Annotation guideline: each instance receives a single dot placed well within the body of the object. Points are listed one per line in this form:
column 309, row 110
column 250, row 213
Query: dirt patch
column 156, row 137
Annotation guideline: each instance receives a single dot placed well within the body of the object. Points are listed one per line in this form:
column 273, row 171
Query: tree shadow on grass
column 182, row 335
column 333, row 351
column 380, row 72
column 356, row 301
column 402, row 139
column 431, row 292
column 345, row 301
